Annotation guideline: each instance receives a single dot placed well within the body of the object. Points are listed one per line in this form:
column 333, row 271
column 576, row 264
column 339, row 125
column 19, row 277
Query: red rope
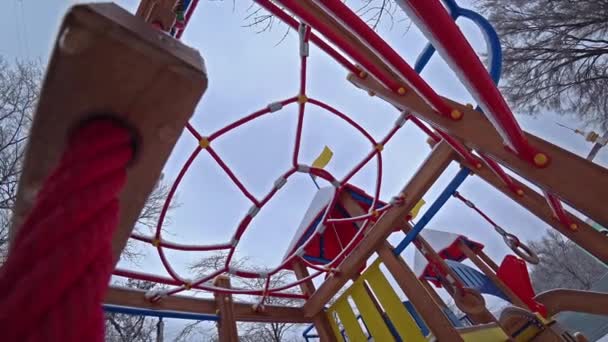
column 60, row 263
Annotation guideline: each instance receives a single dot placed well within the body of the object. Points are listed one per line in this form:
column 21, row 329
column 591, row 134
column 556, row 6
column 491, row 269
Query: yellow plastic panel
column 349, row 320
column 334, row 325
column 396, row 311
column 372, row 318
column 489, row 334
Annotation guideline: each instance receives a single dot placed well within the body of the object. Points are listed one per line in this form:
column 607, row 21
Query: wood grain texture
column 226, row 325
column 107, row 61
column 243, row 312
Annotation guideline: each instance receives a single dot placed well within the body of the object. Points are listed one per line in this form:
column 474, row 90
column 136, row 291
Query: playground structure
column 102, row 135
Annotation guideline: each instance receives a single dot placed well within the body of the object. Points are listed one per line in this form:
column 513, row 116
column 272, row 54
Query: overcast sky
column 246, row 72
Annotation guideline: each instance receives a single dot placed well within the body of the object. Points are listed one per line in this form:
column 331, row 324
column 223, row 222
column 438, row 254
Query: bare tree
column 19, row 90
column 148, row 218
column 377, row 12
column 374, row 12
column 563, row 264
column 555, row 55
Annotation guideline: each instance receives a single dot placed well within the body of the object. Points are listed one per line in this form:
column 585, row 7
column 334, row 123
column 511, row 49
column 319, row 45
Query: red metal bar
column 439, row 28
column 373, row 40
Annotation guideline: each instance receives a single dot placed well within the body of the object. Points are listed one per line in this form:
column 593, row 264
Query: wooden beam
column 243, row 312
column 226, row 325
column 560, row 300
column 320, row 320
column 585, row 236
column 575, row 180
column 107, row 61
column 427, row 174
column 431, row 313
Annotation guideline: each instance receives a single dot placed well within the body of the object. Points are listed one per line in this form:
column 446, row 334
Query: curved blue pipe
column 490, row 35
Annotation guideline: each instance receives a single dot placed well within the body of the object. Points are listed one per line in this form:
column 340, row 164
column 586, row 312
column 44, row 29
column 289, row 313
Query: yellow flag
column 416, row 208
column 323, row 158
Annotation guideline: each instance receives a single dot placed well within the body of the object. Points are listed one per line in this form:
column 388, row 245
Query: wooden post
column 515, row 300
column 585, row 236
column 226, row 326
column 427, row 174
column 430, row 312
column 320, row 320
column 140, row 77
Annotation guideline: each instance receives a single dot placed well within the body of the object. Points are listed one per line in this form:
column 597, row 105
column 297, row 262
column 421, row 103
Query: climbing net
column 205, row 145
column 400, row 80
